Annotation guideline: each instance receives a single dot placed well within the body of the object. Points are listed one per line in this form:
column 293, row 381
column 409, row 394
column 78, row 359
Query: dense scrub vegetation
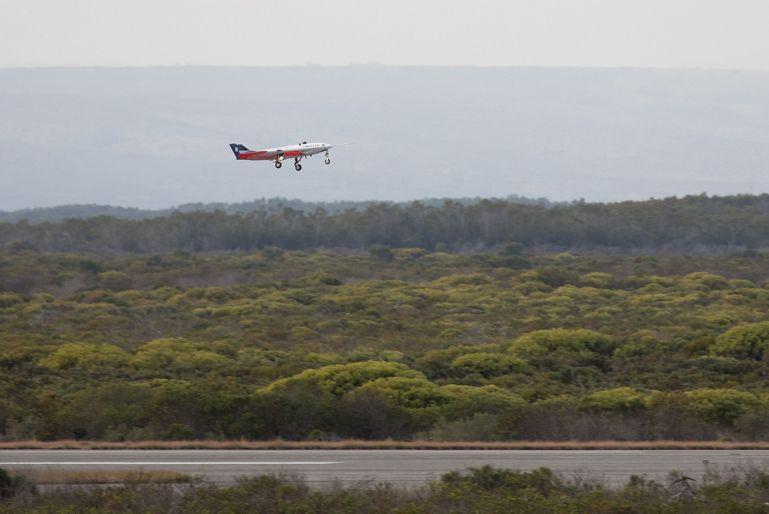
column 402, row 343
column 694, row 224
column 478, row 490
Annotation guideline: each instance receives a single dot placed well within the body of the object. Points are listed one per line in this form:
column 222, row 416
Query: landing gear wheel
column 328, row 161
column 298, row 167
column 278, row 164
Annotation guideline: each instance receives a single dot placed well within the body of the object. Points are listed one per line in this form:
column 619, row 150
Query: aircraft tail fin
column 237, row 148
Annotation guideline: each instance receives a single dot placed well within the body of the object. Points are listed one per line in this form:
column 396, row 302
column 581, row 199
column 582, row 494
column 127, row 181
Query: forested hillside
column 387, row 342
column 693, row 225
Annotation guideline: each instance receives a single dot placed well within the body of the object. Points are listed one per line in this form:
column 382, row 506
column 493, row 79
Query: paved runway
column 403, row 467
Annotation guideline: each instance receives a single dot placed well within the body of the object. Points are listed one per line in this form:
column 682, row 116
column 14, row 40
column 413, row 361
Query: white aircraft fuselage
column 296, row 152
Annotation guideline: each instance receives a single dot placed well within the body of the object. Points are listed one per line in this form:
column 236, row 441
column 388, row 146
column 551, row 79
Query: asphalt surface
column 402, row 467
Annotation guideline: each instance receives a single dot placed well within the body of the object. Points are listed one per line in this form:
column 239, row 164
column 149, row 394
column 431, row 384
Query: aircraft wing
column 255, row 155
column 270, row 154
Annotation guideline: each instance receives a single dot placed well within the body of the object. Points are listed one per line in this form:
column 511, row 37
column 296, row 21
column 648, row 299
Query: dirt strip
column 383, row 445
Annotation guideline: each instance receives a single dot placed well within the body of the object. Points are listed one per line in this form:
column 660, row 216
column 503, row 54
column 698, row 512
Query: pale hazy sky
column 647, row 33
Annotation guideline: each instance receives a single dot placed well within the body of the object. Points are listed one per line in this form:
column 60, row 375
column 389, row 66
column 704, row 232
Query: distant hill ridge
column 691, row 225
column 85, row 211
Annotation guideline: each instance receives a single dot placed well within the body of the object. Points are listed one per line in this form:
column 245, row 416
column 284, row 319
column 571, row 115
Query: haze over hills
column 155, row 137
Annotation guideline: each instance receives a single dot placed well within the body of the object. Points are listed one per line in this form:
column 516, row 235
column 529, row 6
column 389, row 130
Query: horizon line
column 383, row 65
column 507, row 198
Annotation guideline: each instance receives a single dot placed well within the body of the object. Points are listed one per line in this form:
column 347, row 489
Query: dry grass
column 384, row 445
column 61, row 476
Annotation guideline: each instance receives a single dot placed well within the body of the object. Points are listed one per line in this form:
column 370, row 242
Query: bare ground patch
column 63, row 476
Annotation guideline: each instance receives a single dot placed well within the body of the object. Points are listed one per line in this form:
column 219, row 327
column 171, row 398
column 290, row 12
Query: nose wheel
column 278, row 164
column 327, row 161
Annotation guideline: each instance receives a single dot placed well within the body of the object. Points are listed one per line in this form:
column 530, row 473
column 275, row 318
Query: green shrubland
column 405, row 344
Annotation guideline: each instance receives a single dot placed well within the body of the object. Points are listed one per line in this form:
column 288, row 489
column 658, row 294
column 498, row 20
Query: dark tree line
column 83, row 211
column 689, row 224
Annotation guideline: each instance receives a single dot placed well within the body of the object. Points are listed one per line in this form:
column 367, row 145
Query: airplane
column 298, row 152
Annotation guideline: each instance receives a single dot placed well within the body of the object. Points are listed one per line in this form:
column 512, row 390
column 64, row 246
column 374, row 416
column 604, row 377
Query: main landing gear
column 297, row 166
